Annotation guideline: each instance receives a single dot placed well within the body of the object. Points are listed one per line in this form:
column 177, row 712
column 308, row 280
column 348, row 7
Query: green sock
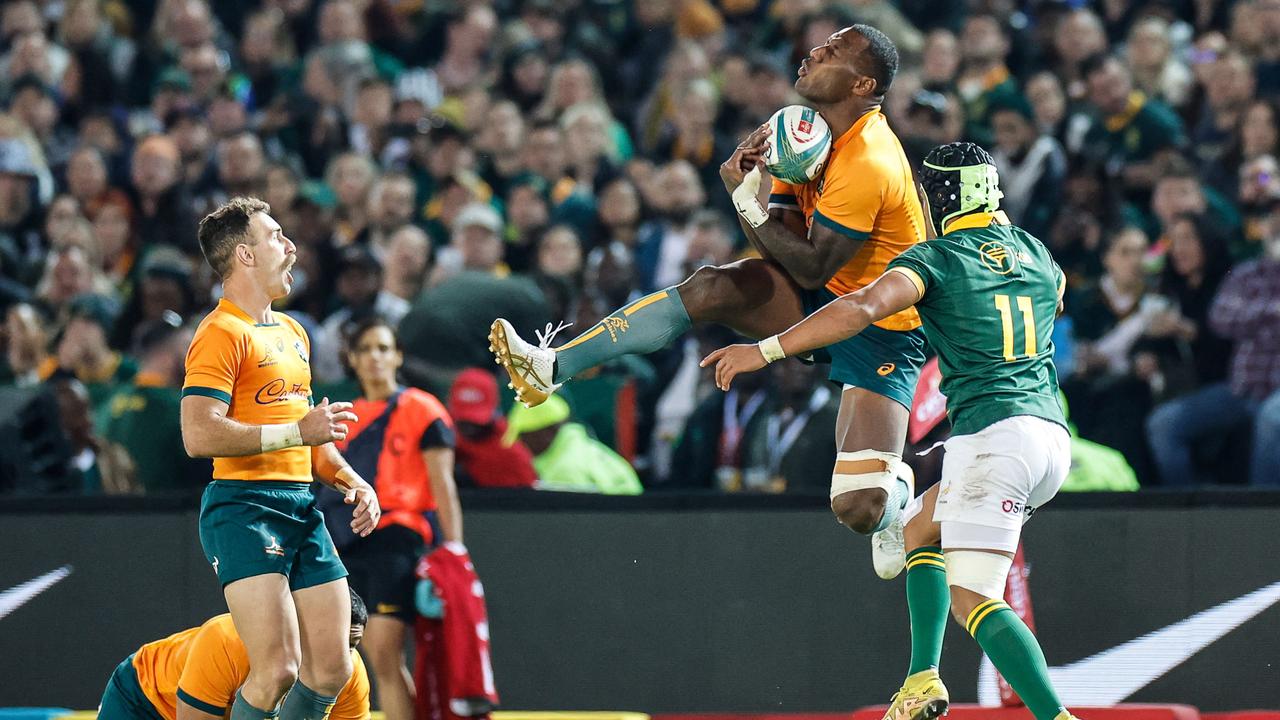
column 645, row 325
column 303, row 703
column 1016, row 654
column 242, row 710
column 929, row 601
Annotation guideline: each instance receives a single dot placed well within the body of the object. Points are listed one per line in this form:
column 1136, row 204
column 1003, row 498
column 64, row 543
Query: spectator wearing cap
column 1247, row 311
column 165, row 215
column 1033, row 165
column 359, row 294
column 163, row 285
column 565, row 456
column 1130, row 130
column 142, row 415
column 475, row 244
column 82, row 352
column 485, row 459
column 984, row 79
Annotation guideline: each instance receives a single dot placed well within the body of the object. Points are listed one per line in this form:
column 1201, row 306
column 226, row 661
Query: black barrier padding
column 659, row 611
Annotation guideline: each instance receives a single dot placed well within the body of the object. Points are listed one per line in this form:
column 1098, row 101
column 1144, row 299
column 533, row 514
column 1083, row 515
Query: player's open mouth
column 804, row 69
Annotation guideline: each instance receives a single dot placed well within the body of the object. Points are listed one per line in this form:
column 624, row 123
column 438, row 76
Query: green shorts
column 886, row 362
column 123, row 699
column 257, row 527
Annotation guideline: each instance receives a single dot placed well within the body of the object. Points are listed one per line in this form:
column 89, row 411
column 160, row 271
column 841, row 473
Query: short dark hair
column 1096, row 62
column 226, row 227
column 882, row 57
column 359, row 613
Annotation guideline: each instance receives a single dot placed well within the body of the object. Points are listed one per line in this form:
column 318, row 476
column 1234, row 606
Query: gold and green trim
column 981, row 612
column 926, row 557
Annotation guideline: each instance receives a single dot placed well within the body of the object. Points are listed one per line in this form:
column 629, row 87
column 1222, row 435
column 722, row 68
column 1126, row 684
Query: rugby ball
column 799, row 144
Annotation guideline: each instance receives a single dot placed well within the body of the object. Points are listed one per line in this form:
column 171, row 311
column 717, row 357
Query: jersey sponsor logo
column 1016, row 507
column 996, row 258
column 279, row 391
column 885, row 369
column 274, row 548
column 1113, row 675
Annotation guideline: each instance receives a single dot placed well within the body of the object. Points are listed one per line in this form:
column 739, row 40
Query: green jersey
column 989, row 294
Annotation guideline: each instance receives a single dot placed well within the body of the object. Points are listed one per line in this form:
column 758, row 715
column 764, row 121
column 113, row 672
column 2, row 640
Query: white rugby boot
column 530, row 367
column 888, row 548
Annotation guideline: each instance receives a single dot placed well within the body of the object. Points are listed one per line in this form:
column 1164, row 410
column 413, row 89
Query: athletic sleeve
column 353, row 699
column 783, row 195
column 217, row 665
column 437, row 435
column 437, row 425
column 851, row 199
column 921, row 263
column 213, row 361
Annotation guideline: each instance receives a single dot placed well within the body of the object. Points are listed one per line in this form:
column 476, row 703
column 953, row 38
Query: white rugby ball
column 799, row 143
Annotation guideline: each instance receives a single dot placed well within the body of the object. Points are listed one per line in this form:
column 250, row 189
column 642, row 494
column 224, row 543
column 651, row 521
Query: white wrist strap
column 771, row 349
column 279, row 437
column 746, row 202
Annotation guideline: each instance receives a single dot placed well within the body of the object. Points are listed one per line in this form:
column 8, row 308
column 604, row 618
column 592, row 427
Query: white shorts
column 994, row 479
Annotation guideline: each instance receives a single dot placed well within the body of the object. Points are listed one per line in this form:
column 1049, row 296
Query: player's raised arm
column 838, row 320
column 208, row 432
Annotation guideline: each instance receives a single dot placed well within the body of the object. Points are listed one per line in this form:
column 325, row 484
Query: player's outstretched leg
column 754, row 297
column 870, row 484
column 324, row 625
column 923, row 696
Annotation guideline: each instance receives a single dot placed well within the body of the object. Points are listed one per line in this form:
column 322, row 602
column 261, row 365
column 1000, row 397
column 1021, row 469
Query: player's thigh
column 754, row 297
column 324, row 627
column 266, row 620
column 878, row 369
column 123, row 698
column 250, row 528
column 316, row 560
column 992, row 480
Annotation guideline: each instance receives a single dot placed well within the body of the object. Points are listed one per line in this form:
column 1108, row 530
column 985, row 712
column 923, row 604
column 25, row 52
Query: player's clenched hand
column 730, row 361
column 367, row 511
column 325, row 422
column 748, row 155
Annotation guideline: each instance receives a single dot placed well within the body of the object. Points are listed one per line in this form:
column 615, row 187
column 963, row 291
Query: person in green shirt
column 565, row 455
column 987, row 293
column 142, row 416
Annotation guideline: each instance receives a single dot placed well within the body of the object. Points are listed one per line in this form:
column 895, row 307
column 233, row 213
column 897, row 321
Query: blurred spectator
column 1131, row 130
column 567, row 458
column 791, row 449
column 985, row 81
column 1033, row 166
column 941, row 61
column 475, row 245
column 163, row 285
column 1247, row 311
column 26, row 343
column 663, row 244
column 358, row 294
column 485, row 457
column 1077, row 36
column 82, row 350
column 406, row 262
column 710, row 453
column 391, row 207
column 1157, row 71
column 560, row 254
column 98, row 466
column 141, row 412
column 1228, row 89
column 165, row 214
column 20, row 242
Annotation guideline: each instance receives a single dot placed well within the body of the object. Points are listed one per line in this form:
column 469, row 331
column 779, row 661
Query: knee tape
column 863, row 470
column 982, row 572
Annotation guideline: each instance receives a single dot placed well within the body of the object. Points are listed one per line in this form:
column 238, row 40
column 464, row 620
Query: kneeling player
column 194, row 675
column 987, row 293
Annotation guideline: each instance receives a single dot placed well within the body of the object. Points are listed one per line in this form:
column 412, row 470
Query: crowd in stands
column 442, row 163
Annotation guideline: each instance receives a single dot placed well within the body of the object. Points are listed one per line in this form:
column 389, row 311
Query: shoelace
column 546, row 335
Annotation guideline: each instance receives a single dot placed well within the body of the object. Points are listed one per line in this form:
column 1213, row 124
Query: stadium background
column 442, row 163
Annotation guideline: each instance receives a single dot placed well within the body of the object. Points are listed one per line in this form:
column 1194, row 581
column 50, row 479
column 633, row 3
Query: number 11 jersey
column 989, row 292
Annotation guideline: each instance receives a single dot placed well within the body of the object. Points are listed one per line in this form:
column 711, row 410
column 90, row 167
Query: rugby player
column 194, row 675
column 246, row 403
column 988, row 293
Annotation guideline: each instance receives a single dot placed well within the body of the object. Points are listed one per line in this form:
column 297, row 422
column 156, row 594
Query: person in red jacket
column 403, row 442
column 483, row 457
